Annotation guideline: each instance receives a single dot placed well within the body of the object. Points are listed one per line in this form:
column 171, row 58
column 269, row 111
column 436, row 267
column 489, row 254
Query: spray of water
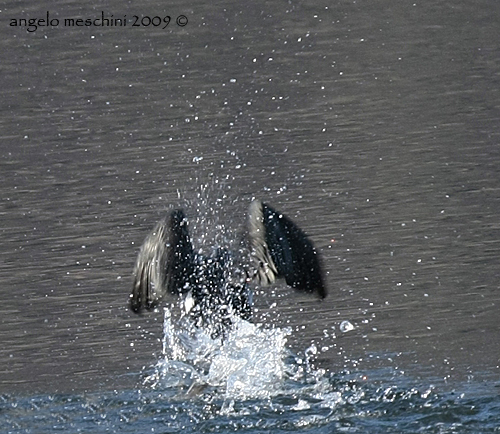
column 249, row 362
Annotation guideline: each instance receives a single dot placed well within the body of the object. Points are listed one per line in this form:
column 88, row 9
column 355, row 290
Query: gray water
column 373, row 125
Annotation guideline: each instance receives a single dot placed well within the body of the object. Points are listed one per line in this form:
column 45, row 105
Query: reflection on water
column 373, row 125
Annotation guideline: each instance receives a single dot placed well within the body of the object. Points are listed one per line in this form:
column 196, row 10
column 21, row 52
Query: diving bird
column 214, row 289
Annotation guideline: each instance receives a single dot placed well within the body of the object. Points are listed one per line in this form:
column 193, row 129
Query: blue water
column 337, row 403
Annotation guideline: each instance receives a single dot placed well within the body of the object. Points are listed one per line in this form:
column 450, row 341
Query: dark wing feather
column 164, row 264
column 282, row 249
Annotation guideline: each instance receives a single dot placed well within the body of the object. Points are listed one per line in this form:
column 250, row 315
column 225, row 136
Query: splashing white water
column 250, row 362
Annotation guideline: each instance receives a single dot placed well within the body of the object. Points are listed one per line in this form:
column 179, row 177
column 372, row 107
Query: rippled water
column 373, row 125
column 251, row 382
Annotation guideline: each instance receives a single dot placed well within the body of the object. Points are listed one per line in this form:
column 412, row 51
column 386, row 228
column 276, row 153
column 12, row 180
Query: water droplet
column 346, row 326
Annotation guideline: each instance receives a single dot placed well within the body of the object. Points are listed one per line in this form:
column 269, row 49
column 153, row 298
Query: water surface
column 373, row 125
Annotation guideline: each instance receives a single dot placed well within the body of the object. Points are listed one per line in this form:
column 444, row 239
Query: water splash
column 249, row 379
column 249, row 362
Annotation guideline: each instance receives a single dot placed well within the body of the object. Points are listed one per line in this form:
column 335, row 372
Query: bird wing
column 282, row 250
column 164, row 264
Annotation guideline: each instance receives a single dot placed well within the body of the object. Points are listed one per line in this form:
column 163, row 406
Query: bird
column 215, row 289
